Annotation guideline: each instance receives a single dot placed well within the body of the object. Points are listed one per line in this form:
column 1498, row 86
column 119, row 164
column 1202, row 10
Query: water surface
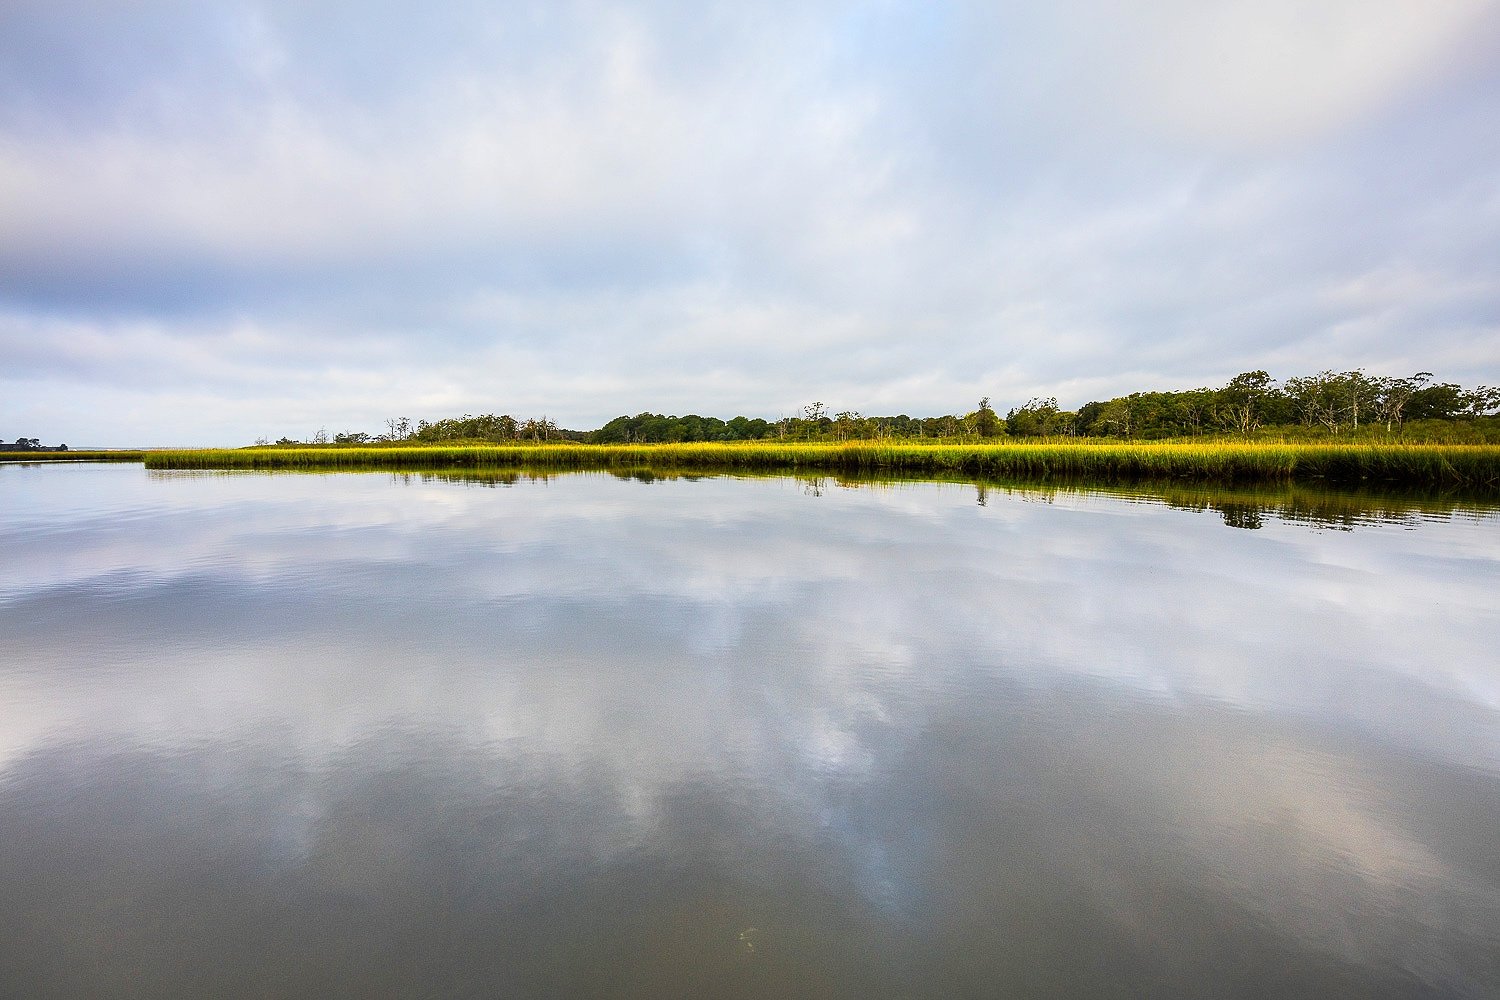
column 356, row 735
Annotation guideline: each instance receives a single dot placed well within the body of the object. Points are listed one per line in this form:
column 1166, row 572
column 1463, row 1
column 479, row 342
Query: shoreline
column 1472, row 467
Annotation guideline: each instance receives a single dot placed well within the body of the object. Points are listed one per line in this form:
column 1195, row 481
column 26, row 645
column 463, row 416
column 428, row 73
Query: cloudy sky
column 220, row 221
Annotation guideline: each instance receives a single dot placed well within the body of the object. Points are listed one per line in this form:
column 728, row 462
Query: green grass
column 1475, row 467
column 71, row 456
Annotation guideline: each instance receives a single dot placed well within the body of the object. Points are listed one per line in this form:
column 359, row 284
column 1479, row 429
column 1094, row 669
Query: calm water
column 360, row 735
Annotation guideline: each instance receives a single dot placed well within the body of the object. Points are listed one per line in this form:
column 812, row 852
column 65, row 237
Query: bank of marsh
column 39, row 455
column 1469, row 466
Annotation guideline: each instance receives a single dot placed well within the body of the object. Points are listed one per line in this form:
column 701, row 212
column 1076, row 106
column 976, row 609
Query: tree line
column 496, row 428
column 1332, row 402
column 29, row 444
column 1324, row 404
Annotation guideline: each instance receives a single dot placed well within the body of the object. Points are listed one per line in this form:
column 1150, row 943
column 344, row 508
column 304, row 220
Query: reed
column 1474, row 467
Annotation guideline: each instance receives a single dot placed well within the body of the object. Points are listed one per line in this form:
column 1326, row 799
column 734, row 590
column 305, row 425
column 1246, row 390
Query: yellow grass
column 1471, row 466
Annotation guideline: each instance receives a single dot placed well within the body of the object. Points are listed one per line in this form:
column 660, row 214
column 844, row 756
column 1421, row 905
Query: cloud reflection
column 872, row 722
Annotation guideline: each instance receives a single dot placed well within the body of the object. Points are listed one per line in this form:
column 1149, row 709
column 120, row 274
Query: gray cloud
column 585, row 209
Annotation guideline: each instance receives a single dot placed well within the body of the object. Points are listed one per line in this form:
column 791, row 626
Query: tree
column 1036, row 418
column 1086, row 420
column 1197, row 407
column 1118, row 416
column 1483, row 401
column 1317, row 399
column 1393, row 394
column 538, row 429
column 1440, row 401
column 1359, row 393
column 986, row 421
column 1243, row 400
column 846, row 424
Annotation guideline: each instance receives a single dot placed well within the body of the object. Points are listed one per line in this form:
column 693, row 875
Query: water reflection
column 355, row 735
column 1239, row 506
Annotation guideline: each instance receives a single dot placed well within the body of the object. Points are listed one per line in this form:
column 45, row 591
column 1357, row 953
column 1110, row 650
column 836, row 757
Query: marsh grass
column 28, row 457
column 1474, row 467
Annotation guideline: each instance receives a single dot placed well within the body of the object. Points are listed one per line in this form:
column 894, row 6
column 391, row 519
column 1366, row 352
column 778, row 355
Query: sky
column 227, row 221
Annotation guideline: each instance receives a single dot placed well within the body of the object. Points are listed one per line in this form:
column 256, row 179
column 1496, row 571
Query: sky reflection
column 1085, row 744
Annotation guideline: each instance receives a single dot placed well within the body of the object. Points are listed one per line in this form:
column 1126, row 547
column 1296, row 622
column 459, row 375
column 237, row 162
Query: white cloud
column 1283, row 69
column 903, row 207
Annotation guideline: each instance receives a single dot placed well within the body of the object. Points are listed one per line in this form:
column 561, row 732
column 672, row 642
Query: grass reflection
column 1244, row 507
